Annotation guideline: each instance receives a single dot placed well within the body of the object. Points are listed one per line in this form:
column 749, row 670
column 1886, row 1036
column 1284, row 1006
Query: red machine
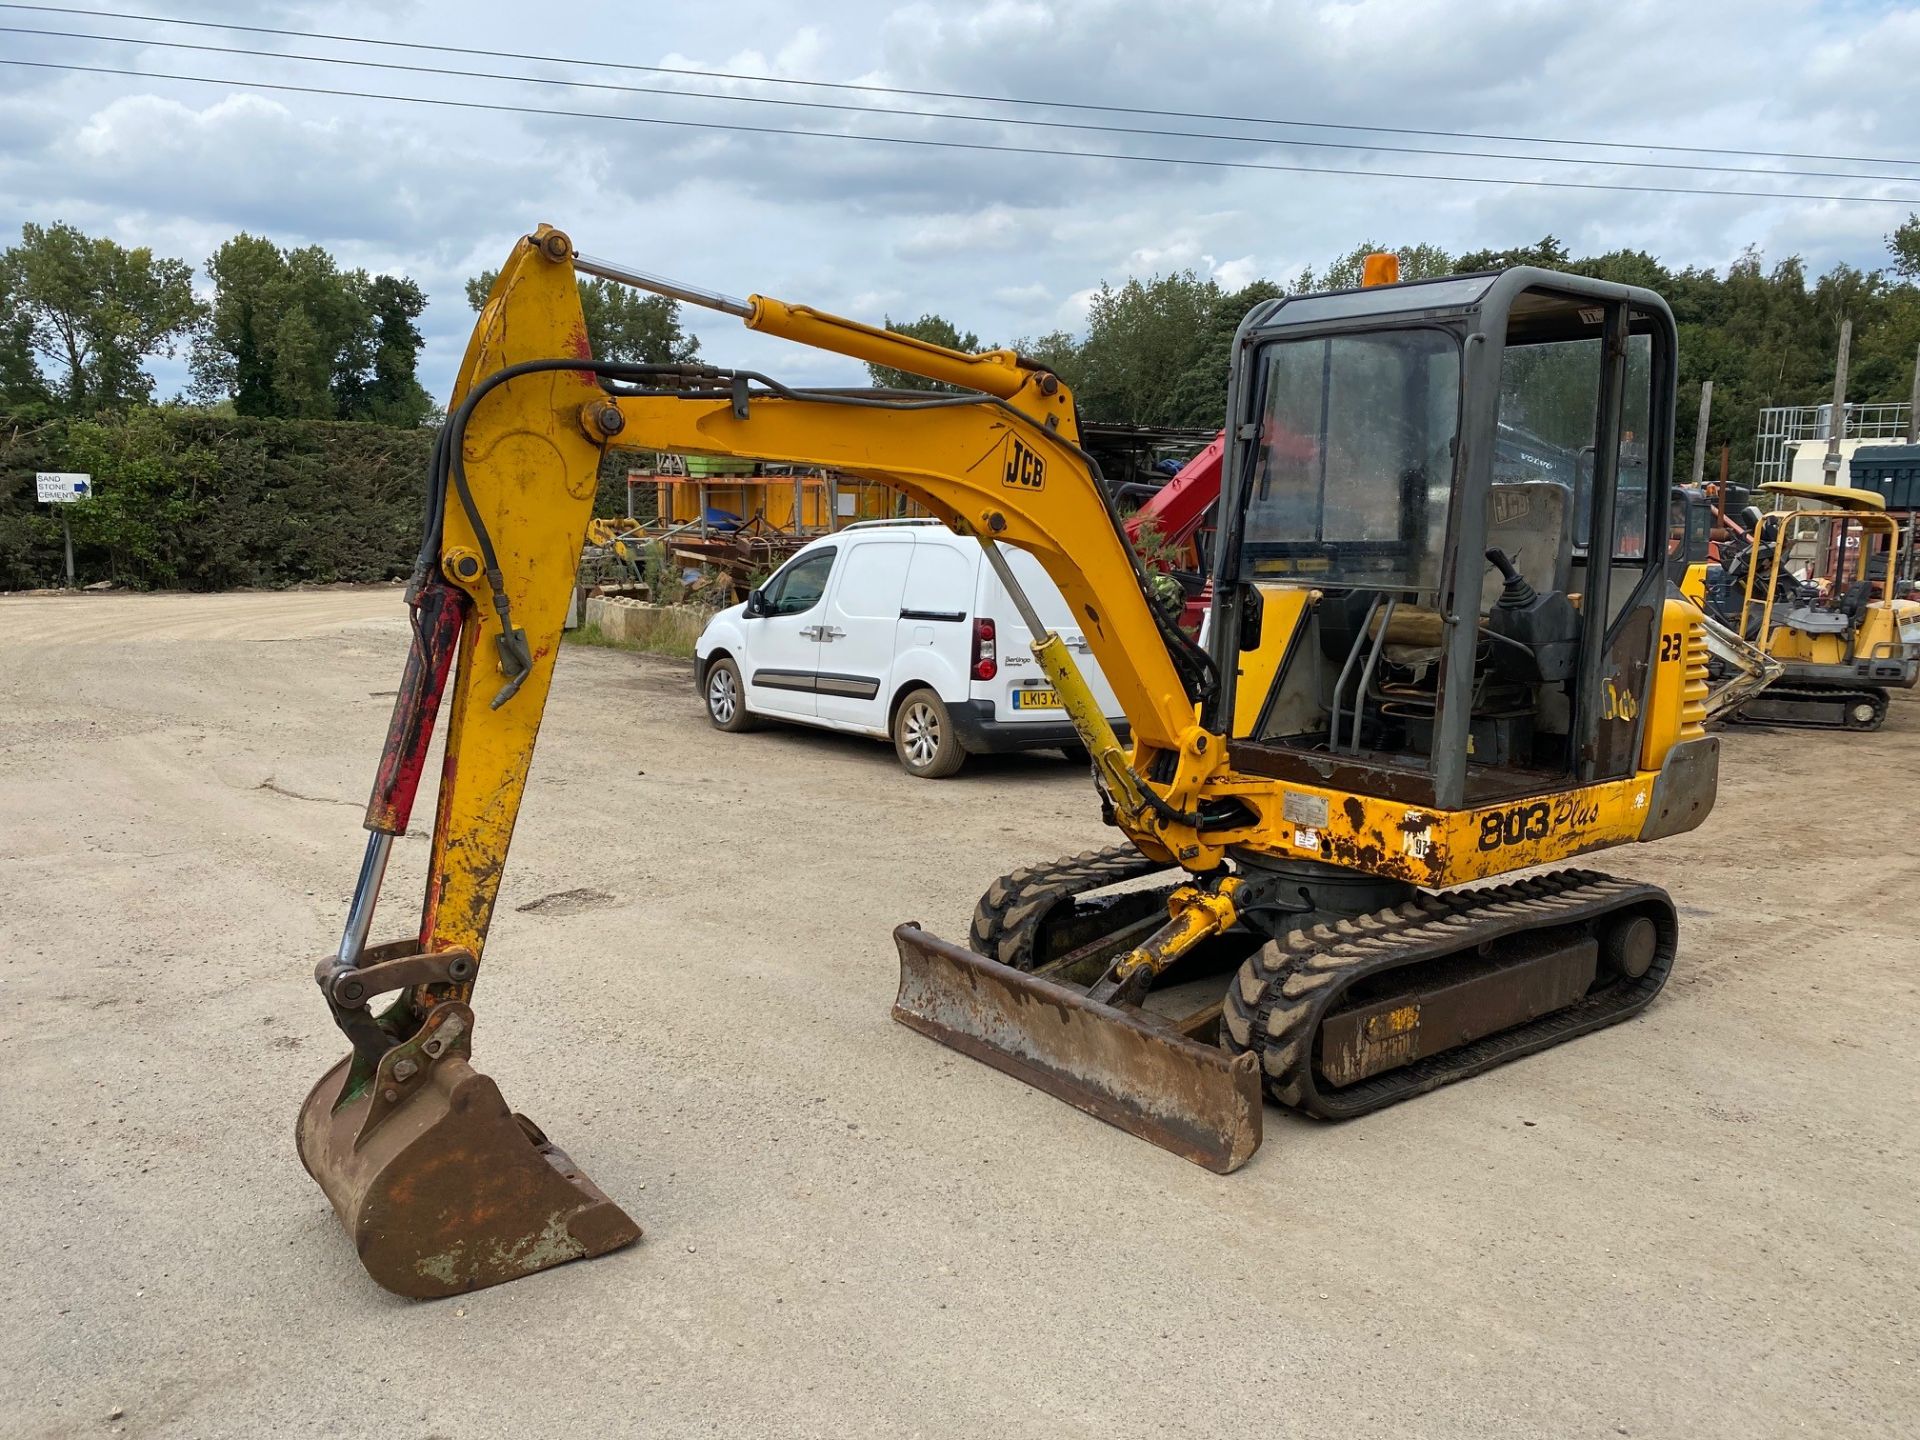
column 1176, row 512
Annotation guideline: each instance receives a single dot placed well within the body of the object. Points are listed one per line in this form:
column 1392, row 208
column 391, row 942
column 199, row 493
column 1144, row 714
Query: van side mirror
column 756, row 605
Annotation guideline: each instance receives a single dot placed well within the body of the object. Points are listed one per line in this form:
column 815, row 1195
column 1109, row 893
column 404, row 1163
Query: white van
column 899, row 629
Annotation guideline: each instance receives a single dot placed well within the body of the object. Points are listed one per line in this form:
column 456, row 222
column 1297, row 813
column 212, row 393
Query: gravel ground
column 1701, row 1223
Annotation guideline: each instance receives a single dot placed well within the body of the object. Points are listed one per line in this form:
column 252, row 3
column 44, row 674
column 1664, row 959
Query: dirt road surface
column 1701, row 1223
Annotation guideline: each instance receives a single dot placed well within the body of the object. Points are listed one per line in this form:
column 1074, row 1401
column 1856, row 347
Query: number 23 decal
column 1670, row 646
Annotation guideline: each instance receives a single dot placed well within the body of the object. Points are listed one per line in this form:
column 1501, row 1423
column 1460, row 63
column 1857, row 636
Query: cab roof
column 1831, row 497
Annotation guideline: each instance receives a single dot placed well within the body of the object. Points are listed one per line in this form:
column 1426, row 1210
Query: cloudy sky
column 1007, row 244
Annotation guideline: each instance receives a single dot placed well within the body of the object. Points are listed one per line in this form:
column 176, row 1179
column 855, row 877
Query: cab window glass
column 1354, row 465
column 798, row 588
column 1548, row 413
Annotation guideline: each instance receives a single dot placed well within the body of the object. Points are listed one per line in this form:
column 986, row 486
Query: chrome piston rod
column 366, row 894
column 660, row 285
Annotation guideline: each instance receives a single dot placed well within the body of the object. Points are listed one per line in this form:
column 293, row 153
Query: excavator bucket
column 1131, row 1068
column 441, row 1187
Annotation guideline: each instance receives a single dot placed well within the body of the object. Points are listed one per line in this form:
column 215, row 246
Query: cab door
column 858, row 633
column 783, row 637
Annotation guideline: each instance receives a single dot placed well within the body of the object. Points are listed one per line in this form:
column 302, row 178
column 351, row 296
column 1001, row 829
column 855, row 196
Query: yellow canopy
column 1828, row 497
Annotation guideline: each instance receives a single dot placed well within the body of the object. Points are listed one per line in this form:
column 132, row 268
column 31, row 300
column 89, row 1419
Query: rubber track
column 1007, row 921
column 1821, row 695
column 1278, row 1001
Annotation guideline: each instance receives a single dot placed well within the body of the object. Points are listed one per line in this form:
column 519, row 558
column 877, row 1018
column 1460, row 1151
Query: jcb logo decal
column 1510, row 504
column 1025, row 470
column 1619, row 703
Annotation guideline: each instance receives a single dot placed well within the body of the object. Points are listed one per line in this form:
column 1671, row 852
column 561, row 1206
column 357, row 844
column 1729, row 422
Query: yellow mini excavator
column 1840, row 634
column 1424, row 669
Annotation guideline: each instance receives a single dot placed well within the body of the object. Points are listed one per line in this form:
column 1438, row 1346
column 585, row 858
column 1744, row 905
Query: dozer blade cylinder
column 1123, row 1065
column 442, row 1188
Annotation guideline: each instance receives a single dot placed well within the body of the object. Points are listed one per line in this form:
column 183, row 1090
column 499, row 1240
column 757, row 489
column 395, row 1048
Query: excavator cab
column 1690, row 542
column 1419, row 607
column 1446, row 649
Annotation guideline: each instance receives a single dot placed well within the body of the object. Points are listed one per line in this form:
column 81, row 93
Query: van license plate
column 1035, row 700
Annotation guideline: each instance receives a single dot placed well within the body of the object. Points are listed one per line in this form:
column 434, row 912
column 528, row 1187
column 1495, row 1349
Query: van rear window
column 871, row 582
column 939, row 582
column 1041, row 590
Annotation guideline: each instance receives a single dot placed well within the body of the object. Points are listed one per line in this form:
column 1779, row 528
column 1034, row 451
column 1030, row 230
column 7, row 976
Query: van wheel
column 727, row 697
column 924, row 738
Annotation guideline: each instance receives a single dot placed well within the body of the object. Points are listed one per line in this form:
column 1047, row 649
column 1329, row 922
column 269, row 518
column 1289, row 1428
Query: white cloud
column 1237, row 273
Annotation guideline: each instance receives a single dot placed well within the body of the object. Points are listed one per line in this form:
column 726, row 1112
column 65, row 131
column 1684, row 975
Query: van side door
column 936, row 615
column 783, row 637
column 857, row 637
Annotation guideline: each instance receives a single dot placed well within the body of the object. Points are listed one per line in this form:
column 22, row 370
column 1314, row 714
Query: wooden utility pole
column 1700, row 434
column 1913, row 404
column 1837, row 416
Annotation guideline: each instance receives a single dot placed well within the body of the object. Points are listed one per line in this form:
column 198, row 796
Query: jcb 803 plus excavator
column 1416, row 678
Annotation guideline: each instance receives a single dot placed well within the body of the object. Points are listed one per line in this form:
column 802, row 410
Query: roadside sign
column 60, row 487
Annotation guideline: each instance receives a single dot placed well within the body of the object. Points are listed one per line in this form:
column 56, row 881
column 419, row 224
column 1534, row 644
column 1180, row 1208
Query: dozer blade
column 441, row 1187
column 1126, row 1066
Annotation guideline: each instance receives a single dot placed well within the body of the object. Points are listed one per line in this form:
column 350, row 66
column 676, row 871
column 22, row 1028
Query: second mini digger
column 1416, row 678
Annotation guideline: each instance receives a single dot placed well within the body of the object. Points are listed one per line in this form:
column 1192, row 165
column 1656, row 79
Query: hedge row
column 185, row 500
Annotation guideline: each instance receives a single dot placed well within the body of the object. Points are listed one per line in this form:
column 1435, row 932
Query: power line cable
column 584, row 62
column 961, row 145
column 901, row 111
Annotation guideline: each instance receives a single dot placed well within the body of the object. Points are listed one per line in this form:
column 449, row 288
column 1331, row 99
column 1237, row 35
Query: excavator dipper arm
column 442, row 1188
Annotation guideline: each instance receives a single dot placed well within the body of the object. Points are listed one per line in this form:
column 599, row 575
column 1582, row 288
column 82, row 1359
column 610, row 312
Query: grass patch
column 671, row 637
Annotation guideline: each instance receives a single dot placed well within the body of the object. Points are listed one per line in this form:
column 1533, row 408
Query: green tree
column 1904, row 245
column 622, row 323
column 1200, row 391
column 630, row 325
column 1547, row 252
column 935, row 330
column 93, row 310
column 286, row 328
column 1141, row 338
column 21, row 388
column 290, row 335
column 381, row 383
column 1057, row 351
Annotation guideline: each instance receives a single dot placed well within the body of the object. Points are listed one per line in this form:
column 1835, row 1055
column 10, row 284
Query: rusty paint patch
column 450, row 1191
